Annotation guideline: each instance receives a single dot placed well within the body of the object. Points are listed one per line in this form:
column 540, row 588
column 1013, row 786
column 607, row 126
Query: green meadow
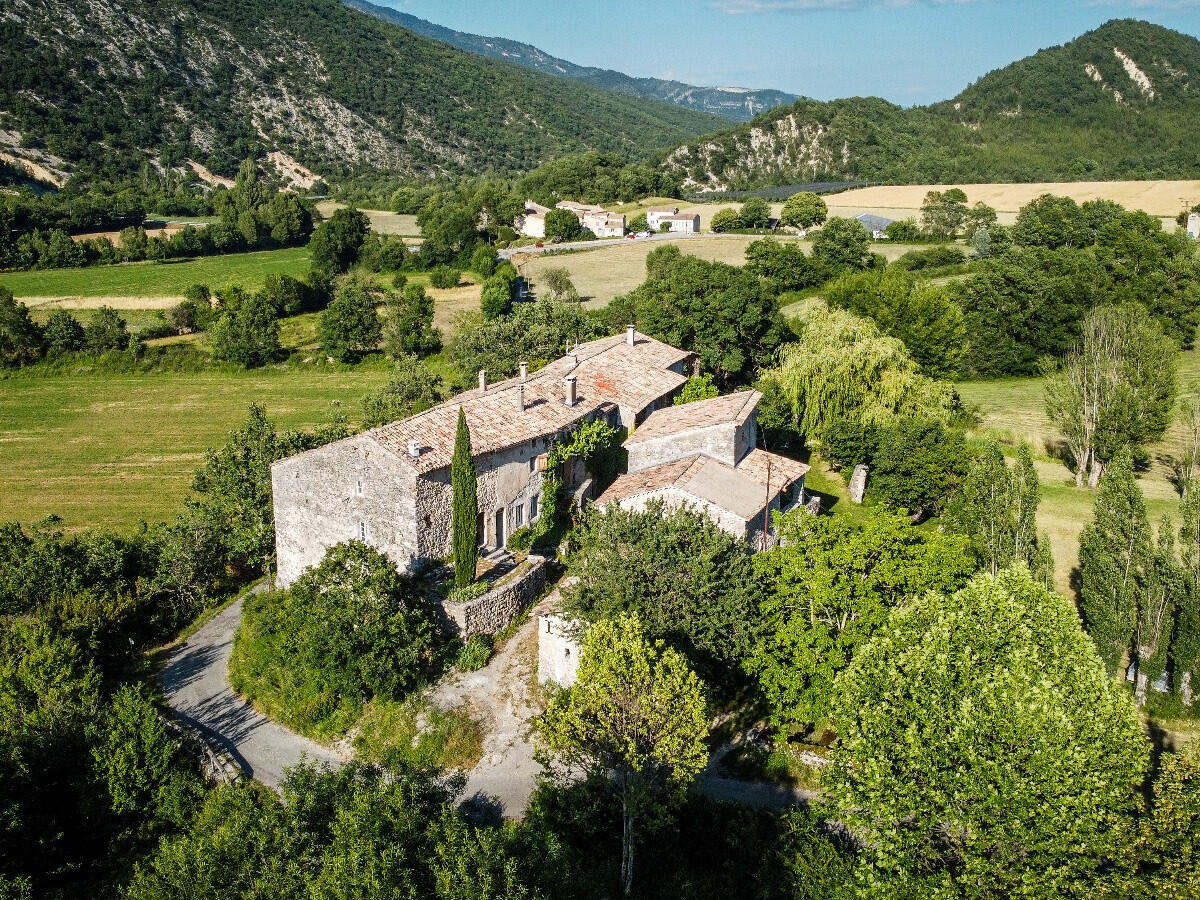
column 168, row 278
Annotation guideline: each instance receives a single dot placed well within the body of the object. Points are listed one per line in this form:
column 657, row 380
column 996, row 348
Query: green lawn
column 108, row 450
column 1013, row 411
column 169, row 278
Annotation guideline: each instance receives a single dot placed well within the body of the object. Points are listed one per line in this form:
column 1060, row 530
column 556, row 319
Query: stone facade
column 350, row 490
column 492, row 612
column 702, row 456
column 390, row 487
column 558, row 650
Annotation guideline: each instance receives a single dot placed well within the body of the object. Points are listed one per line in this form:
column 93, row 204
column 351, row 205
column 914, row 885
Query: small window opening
column 358, row 487
column 362, row 531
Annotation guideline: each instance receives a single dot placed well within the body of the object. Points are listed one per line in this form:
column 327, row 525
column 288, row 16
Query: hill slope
column 1118, row 102
column 107, row 85
column 739, row 104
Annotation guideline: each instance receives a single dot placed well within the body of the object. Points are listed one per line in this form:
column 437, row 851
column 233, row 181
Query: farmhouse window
column 519, row 515
column 362, row 530
column 533, row 508
column 358, row 487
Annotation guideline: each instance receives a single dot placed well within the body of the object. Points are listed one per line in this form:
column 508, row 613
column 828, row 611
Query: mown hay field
column 382, row 220
column 144, row 284
column 110, row 450
column 607, row 272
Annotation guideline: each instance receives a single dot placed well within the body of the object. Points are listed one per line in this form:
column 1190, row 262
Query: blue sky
column 909, row 51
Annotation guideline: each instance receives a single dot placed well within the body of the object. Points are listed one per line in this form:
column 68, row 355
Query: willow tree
column 465, row 503
column 844, row 368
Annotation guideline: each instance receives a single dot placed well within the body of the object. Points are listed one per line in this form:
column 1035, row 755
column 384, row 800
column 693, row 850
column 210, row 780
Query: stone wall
column 494, row 611
column 352, row 489
column 727, row 442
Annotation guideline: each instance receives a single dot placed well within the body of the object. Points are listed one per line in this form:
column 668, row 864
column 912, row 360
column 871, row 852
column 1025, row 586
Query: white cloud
column 741, row 7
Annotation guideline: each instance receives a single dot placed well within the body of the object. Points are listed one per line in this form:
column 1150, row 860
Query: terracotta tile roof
column 741, row 489
column 729, row 409
column 608, row 372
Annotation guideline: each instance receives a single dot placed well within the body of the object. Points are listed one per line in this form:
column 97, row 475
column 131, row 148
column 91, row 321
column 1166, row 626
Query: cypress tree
column 1113, row 553
column 465, row 523
column 1185, row 643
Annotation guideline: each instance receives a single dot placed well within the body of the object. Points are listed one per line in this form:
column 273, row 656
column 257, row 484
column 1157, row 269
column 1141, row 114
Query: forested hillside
column 739, row 104
column 107, row 86
column 1118, row 102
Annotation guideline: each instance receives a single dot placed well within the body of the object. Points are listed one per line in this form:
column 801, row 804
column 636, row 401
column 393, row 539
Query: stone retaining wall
column 494, row 611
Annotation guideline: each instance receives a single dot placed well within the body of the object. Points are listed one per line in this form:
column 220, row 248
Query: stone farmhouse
column 390, row 486
column 596, row 219
column 704, row 455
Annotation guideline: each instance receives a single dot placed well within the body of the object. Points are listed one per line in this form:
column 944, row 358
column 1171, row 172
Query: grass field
column 607, row 272
column 1013, row 411
column 108, row 450
column 136, row 282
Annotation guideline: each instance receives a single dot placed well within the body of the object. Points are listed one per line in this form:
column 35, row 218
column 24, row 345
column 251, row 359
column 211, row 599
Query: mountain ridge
column 736, row 103
column 105, row 87
column 1117, row 102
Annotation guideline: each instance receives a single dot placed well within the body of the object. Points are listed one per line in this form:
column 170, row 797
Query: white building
column 681, row 223
column 533, row 221
column 656, row 214
column 1193, row 226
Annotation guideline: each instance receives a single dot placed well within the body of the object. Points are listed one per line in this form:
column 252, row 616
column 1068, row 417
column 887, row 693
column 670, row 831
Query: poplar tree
column 1156, row 610
column 1185, row 642
column 1113, row 553
column 465, row 524
column 995, row 507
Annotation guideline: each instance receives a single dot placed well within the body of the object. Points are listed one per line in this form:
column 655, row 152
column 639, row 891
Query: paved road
column 196, row 685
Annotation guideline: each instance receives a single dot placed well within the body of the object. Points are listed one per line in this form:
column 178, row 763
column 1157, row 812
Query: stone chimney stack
column 483, row 381
column 524, row 371
column 569, row 390
column 630, row 335
column 521, row 398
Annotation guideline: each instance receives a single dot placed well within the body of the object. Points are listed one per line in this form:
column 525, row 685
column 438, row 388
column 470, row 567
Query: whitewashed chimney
column 413, row 450
column 524, row 370
column 569, row 390
column 483, row 381
column 630, row 335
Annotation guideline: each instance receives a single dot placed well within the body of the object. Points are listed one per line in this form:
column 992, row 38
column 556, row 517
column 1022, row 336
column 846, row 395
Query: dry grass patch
column 382, row 220
column 1159, row 198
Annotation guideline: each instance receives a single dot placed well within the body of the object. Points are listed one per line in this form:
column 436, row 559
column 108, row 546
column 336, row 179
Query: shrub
column 474, row 654
column 106, row 331
column 444, row 277
column 726, row 220
column 350, row 629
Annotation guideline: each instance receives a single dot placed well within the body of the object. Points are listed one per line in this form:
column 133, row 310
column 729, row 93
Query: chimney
column 524, row 371
column 630, row 335
column 483, row 381
column 413, row 450
column 569, row 390
column 574, row 358
column 521, row 397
